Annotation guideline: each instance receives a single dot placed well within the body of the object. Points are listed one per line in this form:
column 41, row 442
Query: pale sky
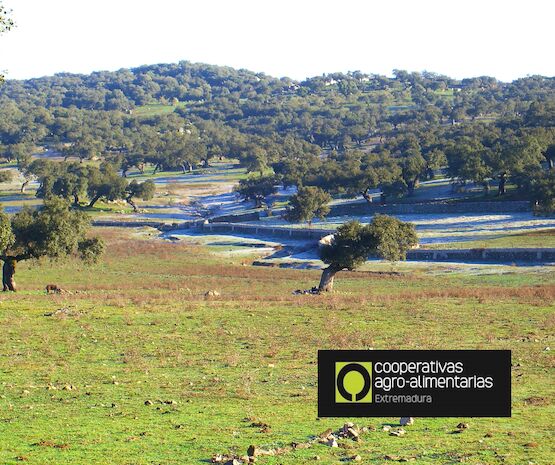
column 506, row 39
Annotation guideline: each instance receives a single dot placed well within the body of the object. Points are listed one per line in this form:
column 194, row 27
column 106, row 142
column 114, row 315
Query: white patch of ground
column 304, row 255
column 243, row 245
column 444, row 228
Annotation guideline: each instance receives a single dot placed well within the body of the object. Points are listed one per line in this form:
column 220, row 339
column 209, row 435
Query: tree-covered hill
column 346, row 133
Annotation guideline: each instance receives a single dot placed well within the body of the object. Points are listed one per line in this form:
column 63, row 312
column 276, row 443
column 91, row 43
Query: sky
column 506, row 39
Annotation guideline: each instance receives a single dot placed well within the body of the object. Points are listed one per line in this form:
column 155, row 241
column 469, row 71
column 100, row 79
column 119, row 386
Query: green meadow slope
column 137, row 366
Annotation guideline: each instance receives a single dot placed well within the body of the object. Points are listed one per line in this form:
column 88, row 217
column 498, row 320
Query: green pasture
column 135, row 365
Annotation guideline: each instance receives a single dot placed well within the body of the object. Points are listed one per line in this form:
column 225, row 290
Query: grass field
column 154, row 109
column 76, row 369
column 540, row 238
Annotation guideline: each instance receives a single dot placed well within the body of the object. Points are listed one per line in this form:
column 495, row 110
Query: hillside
column 347, row 133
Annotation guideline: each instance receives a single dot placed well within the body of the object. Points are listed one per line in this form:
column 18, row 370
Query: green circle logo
column 353, row 382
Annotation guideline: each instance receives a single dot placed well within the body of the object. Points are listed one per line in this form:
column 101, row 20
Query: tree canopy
column 352, row 244
column 346, row 133
column 307, row 203
column 53, row 230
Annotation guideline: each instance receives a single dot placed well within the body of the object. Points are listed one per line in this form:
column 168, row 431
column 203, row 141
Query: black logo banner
column 417, row 383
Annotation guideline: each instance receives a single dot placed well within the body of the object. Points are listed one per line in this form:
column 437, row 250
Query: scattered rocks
column 312, row 291
column 233, row 462
column 332, row 443
column 398, row 432
column 396, row 458
column 212, row 293
column 63, row 312
column 406, row 421
column 327, row 437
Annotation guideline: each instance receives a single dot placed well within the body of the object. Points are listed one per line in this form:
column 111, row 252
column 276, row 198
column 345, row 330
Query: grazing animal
column 53, row 289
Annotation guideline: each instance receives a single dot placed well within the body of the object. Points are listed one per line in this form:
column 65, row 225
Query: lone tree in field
column 307, row 203
column 142, row 190
column 53, row 231
column 350, row 246
column 257, row 189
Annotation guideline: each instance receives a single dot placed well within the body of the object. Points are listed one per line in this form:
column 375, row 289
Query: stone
column 399, row 432
column 406, row 421
column 252, row 451
column 332, row 443
column 356, row 458
column 212, row 293
column 462, row 426
column 233, row 462
column 148, row 402
column 386, row 428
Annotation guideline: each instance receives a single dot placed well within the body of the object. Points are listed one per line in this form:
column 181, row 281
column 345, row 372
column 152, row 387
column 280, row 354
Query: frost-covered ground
column 445, row 228
column 303, row 255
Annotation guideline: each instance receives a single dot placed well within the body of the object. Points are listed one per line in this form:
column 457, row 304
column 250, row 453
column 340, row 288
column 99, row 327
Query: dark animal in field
column 53, row 289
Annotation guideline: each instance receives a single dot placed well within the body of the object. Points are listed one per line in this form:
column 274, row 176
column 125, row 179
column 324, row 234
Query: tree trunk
column 366, row 196
column 8, row 272
column 326, row 281
column 94, row 200
column 502, row 181
column 129, row 200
